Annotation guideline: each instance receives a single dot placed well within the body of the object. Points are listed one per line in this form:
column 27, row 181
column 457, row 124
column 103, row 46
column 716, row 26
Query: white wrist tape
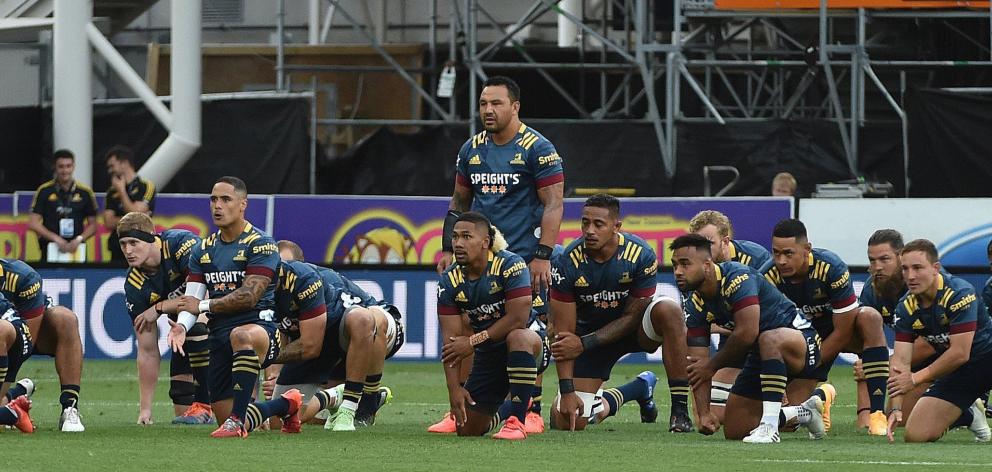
column 186, row 319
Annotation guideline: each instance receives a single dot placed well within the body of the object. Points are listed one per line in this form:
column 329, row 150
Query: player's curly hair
column 499, row 242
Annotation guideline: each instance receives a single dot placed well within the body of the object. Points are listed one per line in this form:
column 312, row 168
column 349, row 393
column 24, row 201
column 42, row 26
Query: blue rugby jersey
column 21, row 285
column 885, row 306
column 956, row 309
column 142, row 290
column 748, row 253
column 600, row 290
column 826, row 289
column 342, row 294
column 987, row 295
column 505, row 180
column 484, row 300
column 223, row 266
column 299, row 296
column 739, row 287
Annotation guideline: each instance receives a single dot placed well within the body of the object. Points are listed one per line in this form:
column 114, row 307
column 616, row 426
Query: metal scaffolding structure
column 736, row 65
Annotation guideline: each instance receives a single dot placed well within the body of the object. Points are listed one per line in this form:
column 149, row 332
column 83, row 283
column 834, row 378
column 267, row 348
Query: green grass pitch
column 398, row 441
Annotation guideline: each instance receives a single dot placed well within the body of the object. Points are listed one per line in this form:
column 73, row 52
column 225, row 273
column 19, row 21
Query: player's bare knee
column 919, row 435
column 667, row 315
column 734, row 432
column 7, row 335
column 769, row 344
column 521, row 339
column 869, row 323
column 63, row 320
column 360, row 324
column 241, row 338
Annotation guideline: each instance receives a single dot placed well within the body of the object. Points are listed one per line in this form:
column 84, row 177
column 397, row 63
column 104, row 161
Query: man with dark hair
column 491, row 286
column 513, row 175
column 236, row 267
column 128, row 193
column 156, row 278
column 946, row 311
column 602, row 308
column 715, row 226
column 54, row 331
column 819, row 283
column 335, row 332
column 63, row 212
column 768, row 337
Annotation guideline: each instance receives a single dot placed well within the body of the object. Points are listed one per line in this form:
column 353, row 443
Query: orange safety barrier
column 846, row 4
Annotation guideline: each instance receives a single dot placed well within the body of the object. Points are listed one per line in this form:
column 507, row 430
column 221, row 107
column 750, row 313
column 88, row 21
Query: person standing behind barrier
column 63, row 212
column 784, row 185
column 128, row 192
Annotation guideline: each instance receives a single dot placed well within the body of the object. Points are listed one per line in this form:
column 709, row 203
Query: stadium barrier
column 960, row 227
column 389, row 230
column 97, row 297
column 844, row 4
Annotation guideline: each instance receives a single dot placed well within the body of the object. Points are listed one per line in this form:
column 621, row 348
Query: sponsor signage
column 960, row 227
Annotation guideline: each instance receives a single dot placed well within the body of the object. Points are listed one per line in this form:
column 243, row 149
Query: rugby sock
column 521, row 368
column 773, row 378
column 69, row 396
column 790, row 412
column 965, row 419
column 501, row 415
column 352, row 395
column 876, row 366
column 636, row 389
column 820, row 393
column 7, row 415
column 369, row 402
column 258, row 412
column 199, row 362
column 4, row 362
column 327, row 399
column 535, row 399
column 679, row 389
column 16, row 389
column 181, row 392
column 244, row 374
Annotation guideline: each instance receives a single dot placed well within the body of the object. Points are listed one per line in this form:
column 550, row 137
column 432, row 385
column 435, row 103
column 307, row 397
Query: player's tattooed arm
column 244, row 298
column 309, row 344
column 292, row 352
column 620, row 327
column 461, row 198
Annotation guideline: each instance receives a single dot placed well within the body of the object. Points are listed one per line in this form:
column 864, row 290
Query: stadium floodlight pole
column 328, row 20
column 376, row 44
column 129, row 76
column 532, row 63
column 313, row 23
column 832, row 88
column 280, row 46
column 185, row 83
column 72, row 105
column 644, row 63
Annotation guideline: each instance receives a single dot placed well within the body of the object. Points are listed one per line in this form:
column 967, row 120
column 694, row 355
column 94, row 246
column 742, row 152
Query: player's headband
column 137, row 234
